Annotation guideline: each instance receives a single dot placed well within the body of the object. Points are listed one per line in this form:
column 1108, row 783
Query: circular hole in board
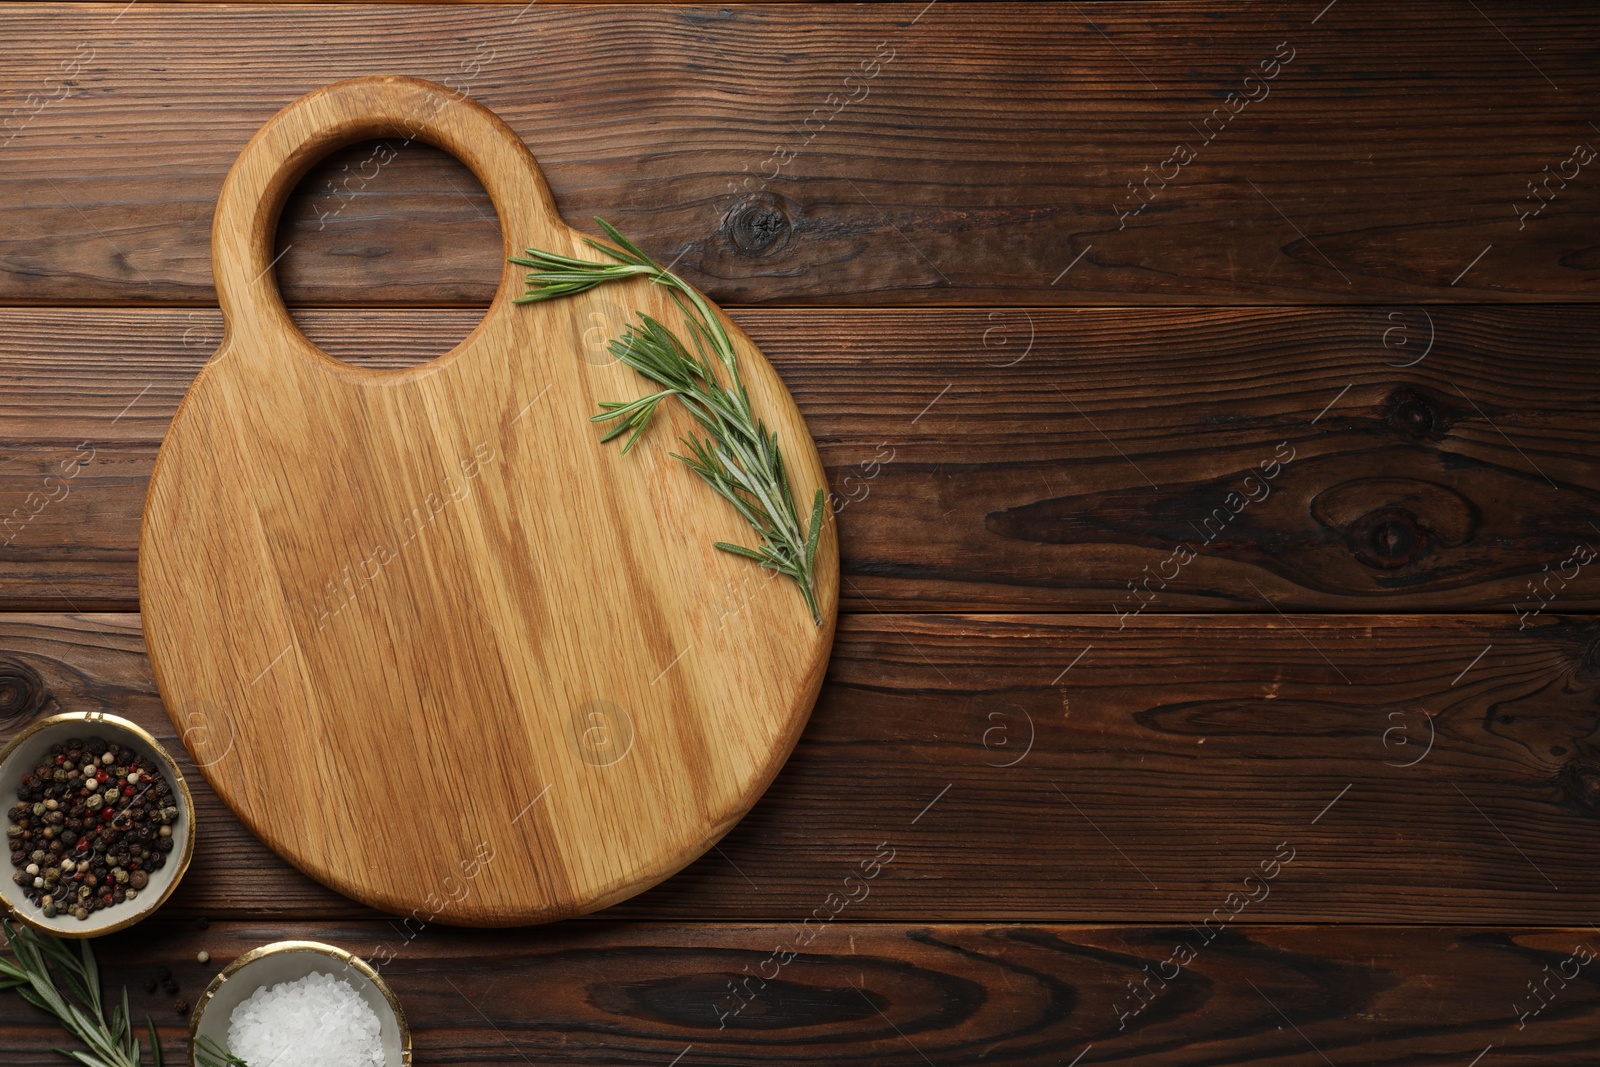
column 388, row 253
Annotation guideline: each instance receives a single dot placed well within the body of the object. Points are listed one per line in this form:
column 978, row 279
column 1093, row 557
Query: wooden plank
column 907, row 996
column 1026, row 459
column 481, row 3
column 1047, row 768
column 870, row 154
column 508, row 3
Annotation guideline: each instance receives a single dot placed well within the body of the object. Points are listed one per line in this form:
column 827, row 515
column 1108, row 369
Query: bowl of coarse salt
column 300, row 1004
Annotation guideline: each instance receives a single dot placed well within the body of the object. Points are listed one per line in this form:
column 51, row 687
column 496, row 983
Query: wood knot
column 1415, row 415
column 757, row 225
column 1589, row 662
column 22, row 693
column 1393, row 523
column 1387, row 538
column 1579, row 782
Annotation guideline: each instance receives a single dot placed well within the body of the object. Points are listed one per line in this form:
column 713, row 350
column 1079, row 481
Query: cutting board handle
column 396, row 110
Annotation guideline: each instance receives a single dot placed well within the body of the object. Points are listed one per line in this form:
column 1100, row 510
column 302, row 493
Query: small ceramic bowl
column 286, row 961
column 24, row 753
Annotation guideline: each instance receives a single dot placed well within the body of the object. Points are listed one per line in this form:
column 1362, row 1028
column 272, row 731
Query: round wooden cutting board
column 431, row 640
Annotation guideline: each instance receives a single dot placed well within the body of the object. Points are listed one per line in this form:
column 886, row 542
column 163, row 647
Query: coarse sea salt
column 315, row 1021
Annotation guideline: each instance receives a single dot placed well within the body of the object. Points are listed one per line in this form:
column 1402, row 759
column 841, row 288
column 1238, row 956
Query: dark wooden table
column 1210, row 395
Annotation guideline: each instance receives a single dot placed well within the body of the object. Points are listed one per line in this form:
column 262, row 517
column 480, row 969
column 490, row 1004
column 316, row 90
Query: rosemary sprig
column 738, row 457
column 81, row 1011
column 211, row 1054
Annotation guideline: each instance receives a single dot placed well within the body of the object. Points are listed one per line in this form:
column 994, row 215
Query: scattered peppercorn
column 202, row 923
column 151, row 985
column 182, row 1007
column 203, row 957
column 82, row 837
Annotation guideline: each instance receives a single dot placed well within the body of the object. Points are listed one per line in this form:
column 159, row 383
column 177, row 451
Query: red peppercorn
column 106, row 814
column 127, row 791
column 100, row 776
column 60, row 759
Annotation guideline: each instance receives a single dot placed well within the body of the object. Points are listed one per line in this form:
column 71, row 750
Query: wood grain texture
column 872, row 993
column 989, row 459
column 1026, row 770
column 458, row 606
column 781, row 155
column 1018, row 777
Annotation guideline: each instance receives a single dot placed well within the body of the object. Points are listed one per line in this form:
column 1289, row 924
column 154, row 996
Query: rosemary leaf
column 211, row 1054
column 738, row 457
column 83, row 1058
column 816, row 529
column 89, row 972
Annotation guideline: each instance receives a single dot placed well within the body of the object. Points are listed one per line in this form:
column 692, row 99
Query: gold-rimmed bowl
column 24, row 753
column 288, row 961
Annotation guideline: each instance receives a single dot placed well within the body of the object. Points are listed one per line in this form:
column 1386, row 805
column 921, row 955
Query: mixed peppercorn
column 91, row 822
